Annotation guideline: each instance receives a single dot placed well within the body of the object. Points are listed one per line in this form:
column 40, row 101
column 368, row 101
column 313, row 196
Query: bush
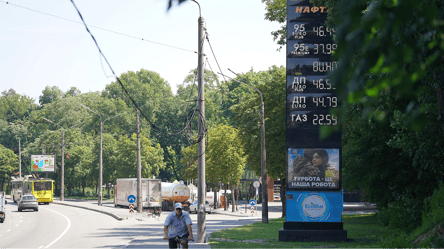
column 88, row 192
column 383, row 216
column 433, row 213
column 77, row 192
column 403, row 215
column 429, row 234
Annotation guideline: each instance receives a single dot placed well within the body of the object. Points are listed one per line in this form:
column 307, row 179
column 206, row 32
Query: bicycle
column 178, row 240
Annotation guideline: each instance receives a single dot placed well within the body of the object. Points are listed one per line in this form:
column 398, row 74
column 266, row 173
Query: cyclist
column 178, row 223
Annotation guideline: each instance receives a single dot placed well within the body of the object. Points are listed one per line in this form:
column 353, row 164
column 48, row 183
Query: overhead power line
column 115, row 32
column 123, row 87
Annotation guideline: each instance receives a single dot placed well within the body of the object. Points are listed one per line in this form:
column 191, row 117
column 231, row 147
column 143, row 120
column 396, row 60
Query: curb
column 91, row 209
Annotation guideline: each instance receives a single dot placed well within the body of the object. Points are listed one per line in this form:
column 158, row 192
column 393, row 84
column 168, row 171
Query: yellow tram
column 42, row 189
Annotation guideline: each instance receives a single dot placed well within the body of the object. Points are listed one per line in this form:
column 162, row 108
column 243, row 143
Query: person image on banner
column 313, row 170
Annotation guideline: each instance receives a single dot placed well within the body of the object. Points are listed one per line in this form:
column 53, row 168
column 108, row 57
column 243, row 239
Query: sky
column 43, row 43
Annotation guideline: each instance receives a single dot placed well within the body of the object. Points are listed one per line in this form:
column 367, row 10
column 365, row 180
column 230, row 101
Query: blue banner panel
column 305, row 206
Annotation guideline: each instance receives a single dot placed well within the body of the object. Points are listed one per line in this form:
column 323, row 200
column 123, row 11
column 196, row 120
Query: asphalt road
column 56, row 226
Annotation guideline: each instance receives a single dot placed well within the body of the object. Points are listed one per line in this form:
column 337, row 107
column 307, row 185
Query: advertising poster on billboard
column 315, row 206
column 313, row 168
column 43, row 163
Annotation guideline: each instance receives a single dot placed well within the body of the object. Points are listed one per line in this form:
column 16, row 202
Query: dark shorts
column 173, row 243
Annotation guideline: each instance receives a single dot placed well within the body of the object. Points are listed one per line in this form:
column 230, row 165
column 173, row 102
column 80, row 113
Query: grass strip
column 362, row 231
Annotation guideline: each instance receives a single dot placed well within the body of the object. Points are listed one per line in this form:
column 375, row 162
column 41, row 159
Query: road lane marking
column 66, row 230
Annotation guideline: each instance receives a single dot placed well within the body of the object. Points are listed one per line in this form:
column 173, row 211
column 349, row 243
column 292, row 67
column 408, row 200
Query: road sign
column 131, row 198
column 256, row 184
column 131, row 208
column 252, row 202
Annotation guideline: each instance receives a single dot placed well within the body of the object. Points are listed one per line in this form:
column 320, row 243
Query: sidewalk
column 275, row 210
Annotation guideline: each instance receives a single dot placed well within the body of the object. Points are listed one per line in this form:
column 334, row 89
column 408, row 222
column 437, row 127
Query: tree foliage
column 247, row 119
column 8, row 164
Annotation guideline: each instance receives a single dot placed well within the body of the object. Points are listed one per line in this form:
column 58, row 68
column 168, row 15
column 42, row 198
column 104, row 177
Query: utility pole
column 20, row 160
column 62, row 179
column 201, row 191
column 263, row 155
column 100, row 165
column 100, row 155
column 139, row 167
column 263, row 167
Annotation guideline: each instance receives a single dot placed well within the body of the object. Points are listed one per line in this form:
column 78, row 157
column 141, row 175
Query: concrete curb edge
column 91, row 209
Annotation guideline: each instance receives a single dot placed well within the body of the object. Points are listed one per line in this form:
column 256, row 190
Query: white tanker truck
column 175, row 192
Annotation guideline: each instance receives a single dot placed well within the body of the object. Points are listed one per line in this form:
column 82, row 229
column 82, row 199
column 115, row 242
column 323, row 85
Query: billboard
column 43, row 163
column 313, row 168
column 314, row 206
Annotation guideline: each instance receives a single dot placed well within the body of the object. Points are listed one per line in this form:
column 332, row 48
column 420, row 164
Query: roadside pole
column 20, row 160
column 139, row 167
column 201, row 191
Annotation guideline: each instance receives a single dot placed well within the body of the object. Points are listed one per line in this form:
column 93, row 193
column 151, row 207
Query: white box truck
column 151, row 193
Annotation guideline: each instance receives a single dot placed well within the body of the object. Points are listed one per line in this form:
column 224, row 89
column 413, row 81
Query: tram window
column 42, row 186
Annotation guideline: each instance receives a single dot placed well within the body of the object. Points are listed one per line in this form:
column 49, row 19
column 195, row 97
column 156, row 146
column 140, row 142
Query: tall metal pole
column 139, row 167
column 201, row 228
column 62, row 178
column 100, row 165
column 263, row 167
column 20, row 160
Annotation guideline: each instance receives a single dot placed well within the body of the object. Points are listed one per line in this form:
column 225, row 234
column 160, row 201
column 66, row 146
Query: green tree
column 144, row 87
column 15, row 107
column 152, row 157
column 247, row 119
column 8, row 164
column 225, row 157
column 50, row 94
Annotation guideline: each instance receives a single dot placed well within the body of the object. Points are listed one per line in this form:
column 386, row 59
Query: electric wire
column 207, row 36
column 154, row 127
column 115, row 32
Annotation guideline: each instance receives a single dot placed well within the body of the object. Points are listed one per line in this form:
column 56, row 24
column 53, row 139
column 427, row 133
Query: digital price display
column 310, row 94
column 313, row 166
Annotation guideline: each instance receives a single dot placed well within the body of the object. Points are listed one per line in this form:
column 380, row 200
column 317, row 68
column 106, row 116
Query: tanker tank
column 174, row 192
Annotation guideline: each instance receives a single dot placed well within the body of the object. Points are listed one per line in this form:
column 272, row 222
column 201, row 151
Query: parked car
column 28, row 202
column 194, row 207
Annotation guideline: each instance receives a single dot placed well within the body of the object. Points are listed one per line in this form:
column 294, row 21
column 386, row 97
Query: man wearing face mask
column 178, row 223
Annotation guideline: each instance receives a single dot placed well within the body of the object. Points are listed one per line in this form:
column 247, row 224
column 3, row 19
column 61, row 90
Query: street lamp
column 263, row 154
column 100, row 156
column 62, row 177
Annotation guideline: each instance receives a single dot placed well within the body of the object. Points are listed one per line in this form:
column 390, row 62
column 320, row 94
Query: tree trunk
column 232, row 197
column 215, row 200
column 283, row 198
column 69, row 190
column 225, row 197
column 237, row 198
